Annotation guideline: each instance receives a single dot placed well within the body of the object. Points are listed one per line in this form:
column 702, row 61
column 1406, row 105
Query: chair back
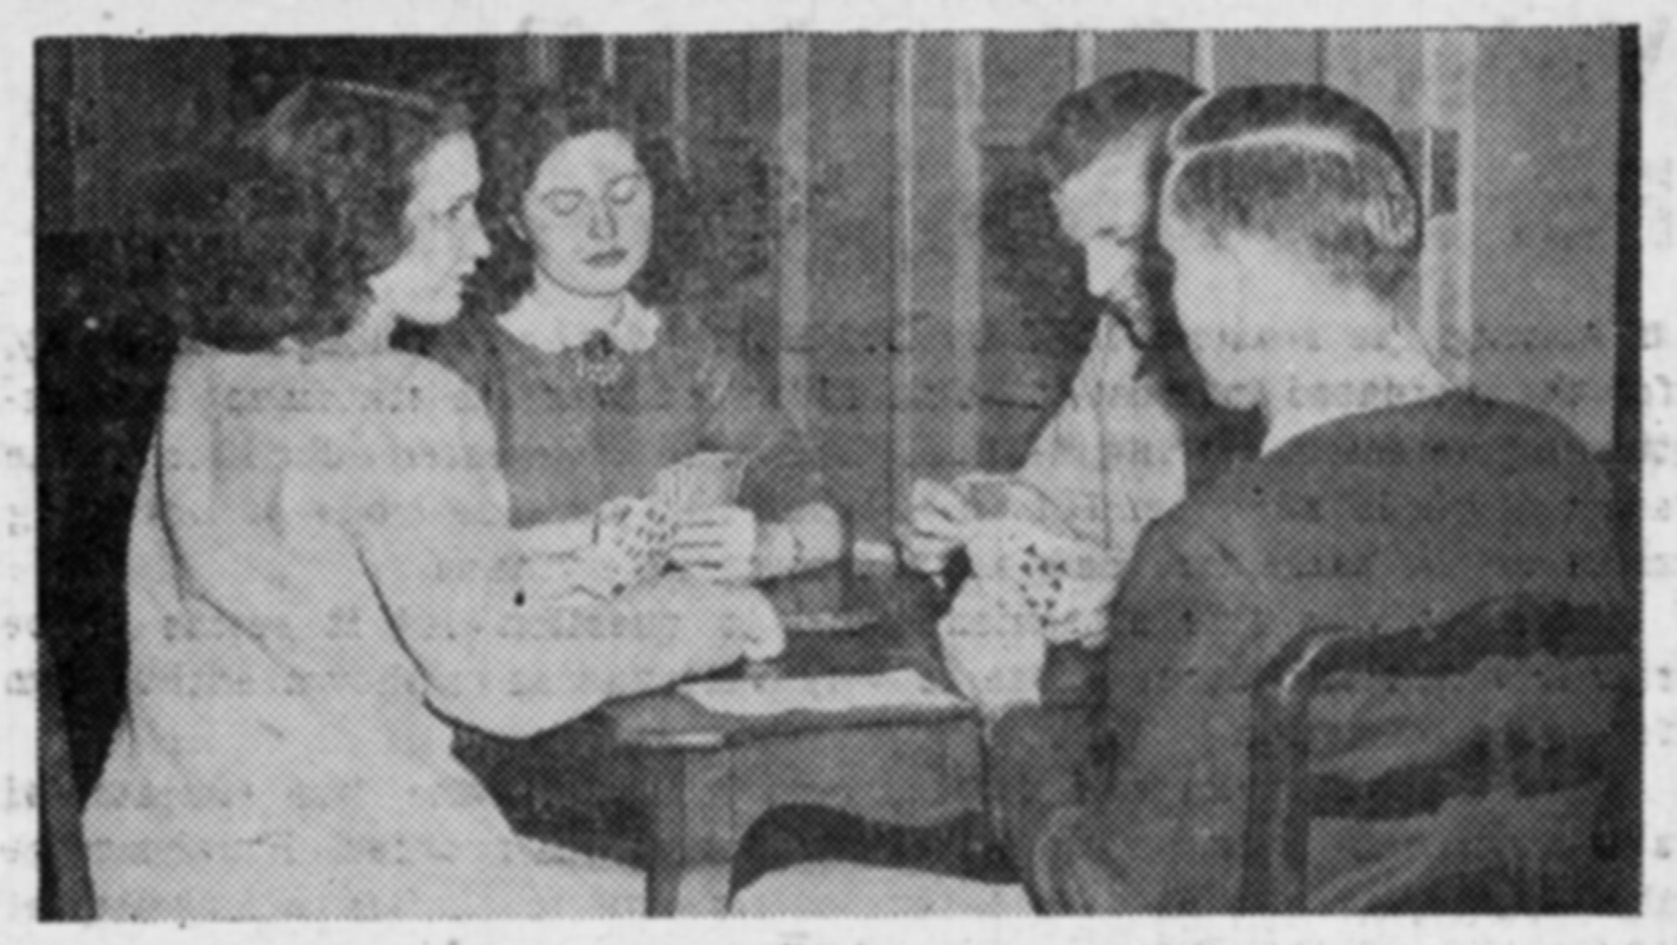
column 1284, row 793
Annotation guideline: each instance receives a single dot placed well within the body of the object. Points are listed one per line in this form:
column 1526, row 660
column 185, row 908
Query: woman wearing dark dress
column 592, row 391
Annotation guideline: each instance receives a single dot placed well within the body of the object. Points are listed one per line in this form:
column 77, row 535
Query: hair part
column 278, row 239
column 1304, row 166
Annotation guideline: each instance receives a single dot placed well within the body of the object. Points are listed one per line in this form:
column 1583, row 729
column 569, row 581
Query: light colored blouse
column 1112, row 460
column 320, row 572
column 1112, row 457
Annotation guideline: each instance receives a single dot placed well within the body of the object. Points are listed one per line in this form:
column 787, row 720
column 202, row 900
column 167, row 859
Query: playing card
column 1041, row 580
column 987, row 494
column 636, row 534
column 1050, row 576
column 1008, row 497
column 699, row 482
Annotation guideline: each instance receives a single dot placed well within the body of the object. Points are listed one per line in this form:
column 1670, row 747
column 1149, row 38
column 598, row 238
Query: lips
column 606, row 258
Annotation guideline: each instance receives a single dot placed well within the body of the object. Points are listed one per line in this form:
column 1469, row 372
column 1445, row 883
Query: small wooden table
column 657, row 781
column 707, row 777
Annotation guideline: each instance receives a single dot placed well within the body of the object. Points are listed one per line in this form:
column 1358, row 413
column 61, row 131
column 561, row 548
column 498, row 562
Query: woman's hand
column 719, row 544
column 938, row 516
column 810, row 537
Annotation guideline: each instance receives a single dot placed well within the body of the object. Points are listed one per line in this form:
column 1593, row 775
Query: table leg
column 667, row 772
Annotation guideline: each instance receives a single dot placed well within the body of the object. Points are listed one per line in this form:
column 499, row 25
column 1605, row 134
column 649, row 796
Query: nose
column 477, row 243
column 602, row 226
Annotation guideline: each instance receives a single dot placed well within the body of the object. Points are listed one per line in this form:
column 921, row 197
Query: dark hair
column 1082, row 124
column 528, row 123
column 1019, row 223
column 1044, row 269
column 1305, row 165
column 277, row 236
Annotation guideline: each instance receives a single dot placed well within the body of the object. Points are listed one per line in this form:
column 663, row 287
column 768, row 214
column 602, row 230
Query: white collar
column 632, row 327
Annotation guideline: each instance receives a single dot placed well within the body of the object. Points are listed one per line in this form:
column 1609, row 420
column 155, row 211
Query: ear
column 1390, row 220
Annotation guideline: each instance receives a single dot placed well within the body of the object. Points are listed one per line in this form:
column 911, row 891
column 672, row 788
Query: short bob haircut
column 528, row 124
column 1137, row 105
column 1309, row 167
column 277, row 239
column 1084, row 123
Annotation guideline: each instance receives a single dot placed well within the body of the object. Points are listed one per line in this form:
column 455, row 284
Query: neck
column 1368, row 363
column 573, row 309
column 369, row 334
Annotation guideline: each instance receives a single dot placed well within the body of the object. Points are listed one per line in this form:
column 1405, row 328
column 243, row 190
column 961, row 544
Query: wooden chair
column 66, row 885
column 1284, row 794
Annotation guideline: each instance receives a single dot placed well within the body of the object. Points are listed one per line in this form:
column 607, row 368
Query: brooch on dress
column 601, row 363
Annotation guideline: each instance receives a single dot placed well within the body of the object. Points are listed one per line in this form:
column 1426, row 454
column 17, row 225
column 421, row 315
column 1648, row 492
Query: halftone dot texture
column 876, row 291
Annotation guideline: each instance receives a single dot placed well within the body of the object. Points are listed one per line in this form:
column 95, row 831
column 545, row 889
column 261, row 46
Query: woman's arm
column 557, row 538
column 496, row 652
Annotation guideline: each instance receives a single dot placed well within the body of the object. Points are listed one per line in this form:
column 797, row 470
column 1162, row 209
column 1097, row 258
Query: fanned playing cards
column 1022, row 539
column 637, row 533
column 699, row 482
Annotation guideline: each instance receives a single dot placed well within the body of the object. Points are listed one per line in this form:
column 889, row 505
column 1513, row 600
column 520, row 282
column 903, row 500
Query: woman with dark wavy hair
column 592, row 390
column 322, row 581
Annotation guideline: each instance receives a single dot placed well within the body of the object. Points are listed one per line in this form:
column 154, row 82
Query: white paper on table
column 902, row 689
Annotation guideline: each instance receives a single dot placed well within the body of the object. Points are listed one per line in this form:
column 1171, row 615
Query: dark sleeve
column 1041, row 754
column 739, row 416
column 1160, row 830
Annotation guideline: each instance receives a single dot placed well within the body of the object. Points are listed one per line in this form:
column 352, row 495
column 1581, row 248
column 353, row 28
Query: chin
column 598, row 282
column 439, row 312
column 1234, row 395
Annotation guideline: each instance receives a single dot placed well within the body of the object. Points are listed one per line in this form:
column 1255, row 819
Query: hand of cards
column 635, row 535
column 1022, row 541
column 699, row 482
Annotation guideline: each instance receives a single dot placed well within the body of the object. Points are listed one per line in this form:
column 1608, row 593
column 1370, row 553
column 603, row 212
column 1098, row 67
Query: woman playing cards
column 626, row 426
column 322, row 581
